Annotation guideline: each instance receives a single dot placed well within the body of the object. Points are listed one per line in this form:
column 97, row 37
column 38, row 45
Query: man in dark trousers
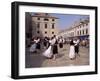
column 76, row 42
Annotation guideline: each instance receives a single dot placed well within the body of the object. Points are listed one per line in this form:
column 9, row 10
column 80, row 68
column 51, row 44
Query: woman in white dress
column 72, row 51
column 33, row 47
column 48, row 53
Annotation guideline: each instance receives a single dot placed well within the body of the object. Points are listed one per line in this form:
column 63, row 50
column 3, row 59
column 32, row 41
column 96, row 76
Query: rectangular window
column 80, row 32
column 38, row 18
column 46, row 26
column 38, row 25
column 86, row 31
column 53, row 25
column 45, row 32
column 53, row 19
column 52, row 32
column 83, row 32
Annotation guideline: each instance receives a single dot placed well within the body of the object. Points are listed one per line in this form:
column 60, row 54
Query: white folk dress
column 33, row 47
column 48, row 52
column 72, row 52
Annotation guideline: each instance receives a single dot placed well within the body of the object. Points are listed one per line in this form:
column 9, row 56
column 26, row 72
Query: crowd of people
column 50, row 46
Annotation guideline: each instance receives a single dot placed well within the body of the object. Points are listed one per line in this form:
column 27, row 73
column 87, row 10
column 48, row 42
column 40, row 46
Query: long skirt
column 76, row 49
column 55, row 49
column 61, row 45
column 32, row 48
column 45, row 43
column 48, row 53
column 72, row 52
column 38, row 46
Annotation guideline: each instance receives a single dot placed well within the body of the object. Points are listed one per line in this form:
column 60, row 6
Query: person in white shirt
column 76, row 42
column 61, row 43
column 48, row 52
column 33, row 46
column 38, row 45
column 54, row 47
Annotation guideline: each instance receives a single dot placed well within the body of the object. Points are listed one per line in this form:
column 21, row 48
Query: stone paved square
column 34, row 60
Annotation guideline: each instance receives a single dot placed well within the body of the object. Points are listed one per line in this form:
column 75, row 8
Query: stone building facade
column 80, row 29
column 44, row 25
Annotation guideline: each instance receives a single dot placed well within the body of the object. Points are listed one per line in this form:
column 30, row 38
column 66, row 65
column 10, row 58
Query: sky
column 66, row 20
